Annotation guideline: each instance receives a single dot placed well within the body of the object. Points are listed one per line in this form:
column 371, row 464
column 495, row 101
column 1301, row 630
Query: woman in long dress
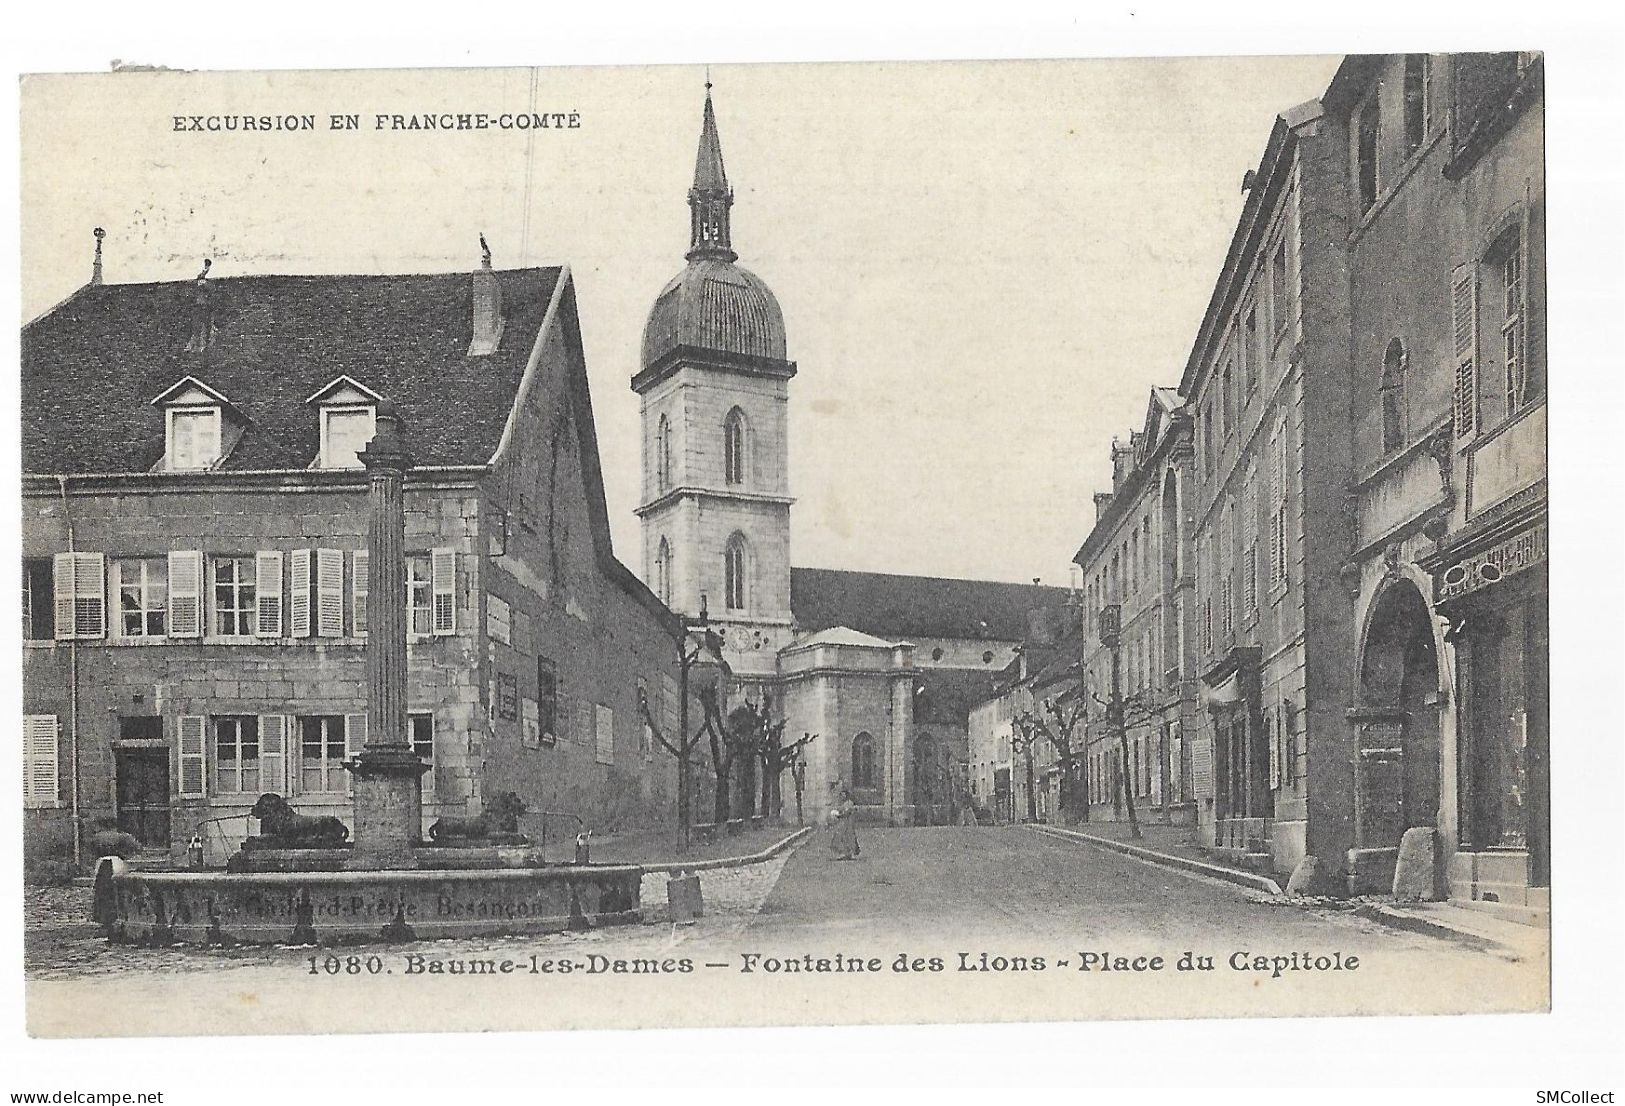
column 843, row 836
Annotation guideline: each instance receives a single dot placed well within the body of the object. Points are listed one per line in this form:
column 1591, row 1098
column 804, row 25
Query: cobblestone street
column 967, row 896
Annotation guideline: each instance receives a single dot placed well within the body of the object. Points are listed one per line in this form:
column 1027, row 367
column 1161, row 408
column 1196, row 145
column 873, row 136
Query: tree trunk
column 1032, row 797
column 1128, row 787
column 720, row 805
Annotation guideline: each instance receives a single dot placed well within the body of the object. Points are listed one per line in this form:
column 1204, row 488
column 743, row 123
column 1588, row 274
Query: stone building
column 195, row 566
column 1137, row 557
column 883, row 668
column 1449, row 477
column 1367, row 517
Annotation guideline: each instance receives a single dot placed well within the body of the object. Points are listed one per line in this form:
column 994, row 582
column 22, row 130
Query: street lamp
column 1111, row 630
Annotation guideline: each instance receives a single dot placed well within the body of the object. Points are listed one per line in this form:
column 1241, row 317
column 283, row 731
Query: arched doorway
column 1397, row 781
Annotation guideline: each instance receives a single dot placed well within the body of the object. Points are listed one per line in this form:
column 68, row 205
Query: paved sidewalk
column 1173, row 846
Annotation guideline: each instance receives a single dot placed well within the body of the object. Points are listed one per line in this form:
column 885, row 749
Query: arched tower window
column 1391, row 390
column 735, row 569
column 734, row 445
column 863, row 761
column 662, row 573
column 663, row 454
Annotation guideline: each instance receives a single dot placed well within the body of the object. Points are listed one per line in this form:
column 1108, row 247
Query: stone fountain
column 301, row 882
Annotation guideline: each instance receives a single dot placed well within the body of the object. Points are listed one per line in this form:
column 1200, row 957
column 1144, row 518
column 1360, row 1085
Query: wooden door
column 143, row 795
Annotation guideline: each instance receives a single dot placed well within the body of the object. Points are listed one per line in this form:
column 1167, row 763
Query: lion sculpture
column 290, row 829
column 500, row 819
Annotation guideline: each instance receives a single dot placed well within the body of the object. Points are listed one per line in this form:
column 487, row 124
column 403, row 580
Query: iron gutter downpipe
column 73, row 693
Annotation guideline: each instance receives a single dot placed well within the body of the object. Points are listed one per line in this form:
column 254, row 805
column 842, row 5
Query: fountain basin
column 348, row 907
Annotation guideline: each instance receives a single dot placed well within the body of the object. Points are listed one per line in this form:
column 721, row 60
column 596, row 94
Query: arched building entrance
column 1397, row 722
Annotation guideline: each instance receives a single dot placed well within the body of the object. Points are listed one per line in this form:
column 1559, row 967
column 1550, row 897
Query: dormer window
column 200, row 426
column 345, row 433
column 194, row 438
column 346, row 410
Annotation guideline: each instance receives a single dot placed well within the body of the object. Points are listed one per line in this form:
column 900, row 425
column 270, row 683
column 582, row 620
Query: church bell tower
column 714, row 390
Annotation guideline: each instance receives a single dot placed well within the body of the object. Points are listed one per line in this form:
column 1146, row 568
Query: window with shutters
column 186, row 594
column 39, row 622
column 604, row 735
column 1504, row 274
column 419, row 595
column 360, row 577
column 236, row 607
column 321, row 753
column 236, row 753
column 40, row 769
column 1279, row 477
column 547, row 700
column 143, row 596
column 443, row 572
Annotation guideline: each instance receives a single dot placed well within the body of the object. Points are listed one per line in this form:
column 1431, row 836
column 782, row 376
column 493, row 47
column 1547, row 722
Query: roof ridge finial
column 485, row 252
column 708, row 80
column 96, row 265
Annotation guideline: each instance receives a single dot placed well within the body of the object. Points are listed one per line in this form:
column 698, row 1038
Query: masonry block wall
column 129, row 693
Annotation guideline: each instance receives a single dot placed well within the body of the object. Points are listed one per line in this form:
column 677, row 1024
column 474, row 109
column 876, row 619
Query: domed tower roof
column 714, row 305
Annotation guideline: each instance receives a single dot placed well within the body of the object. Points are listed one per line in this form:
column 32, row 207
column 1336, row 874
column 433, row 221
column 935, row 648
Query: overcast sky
column 983, row 266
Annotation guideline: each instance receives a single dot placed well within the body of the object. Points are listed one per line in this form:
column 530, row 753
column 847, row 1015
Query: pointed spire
column 710, row 197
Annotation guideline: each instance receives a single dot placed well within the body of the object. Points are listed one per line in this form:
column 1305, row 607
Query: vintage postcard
column 647, row 547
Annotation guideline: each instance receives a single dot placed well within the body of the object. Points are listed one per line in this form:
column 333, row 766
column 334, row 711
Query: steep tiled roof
column 91, row 366
column 910, row 607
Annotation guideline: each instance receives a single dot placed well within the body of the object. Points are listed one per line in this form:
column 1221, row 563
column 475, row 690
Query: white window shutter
column 62, row 584
column 330, row 592
column 443, row 568
column 299, row 592
column 274, row 754
column 193, row 749
column 81, row 588
column 185, row 593
column 1464, row 326
column 268, row 594
column 361, row 571
column 40, row 781
column 355, row 738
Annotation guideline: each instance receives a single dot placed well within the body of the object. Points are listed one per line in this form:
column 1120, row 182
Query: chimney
column 96, row 266
column 487, row 307
column 202, row 315
column 1122, row 458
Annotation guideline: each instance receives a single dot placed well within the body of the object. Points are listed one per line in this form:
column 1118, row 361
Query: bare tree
column 1024, row 734
column 1123, row 712
column 682, row 749
column 1063, row 724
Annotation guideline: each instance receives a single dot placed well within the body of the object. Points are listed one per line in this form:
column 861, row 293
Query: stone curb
column 1167, row 860
column 729, row 861
column 1400, row 919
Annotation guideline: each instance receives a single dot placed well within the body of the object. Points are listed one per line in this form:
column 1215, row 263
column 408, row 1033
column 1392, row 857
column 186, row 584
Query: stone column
column 387, row 773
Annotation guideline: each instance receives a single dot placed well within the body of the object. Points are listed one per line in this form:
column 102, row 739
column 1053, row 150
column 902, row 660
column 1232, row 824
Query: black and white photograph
column 741, row 544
